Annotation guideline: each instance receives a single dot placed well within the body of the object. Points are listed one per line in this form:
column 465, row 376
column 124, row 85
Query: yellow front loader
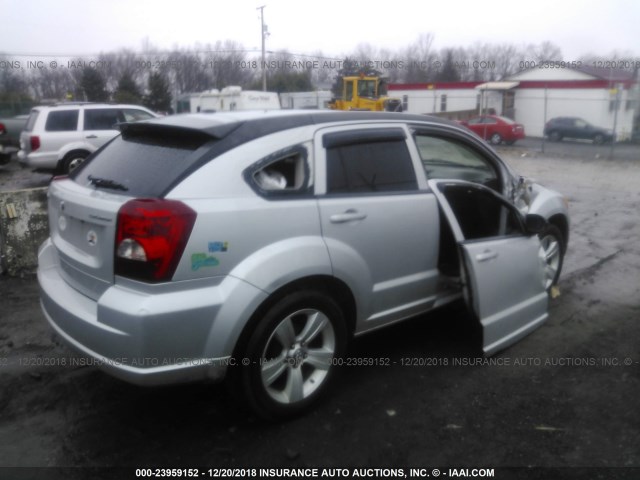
column 364, row 93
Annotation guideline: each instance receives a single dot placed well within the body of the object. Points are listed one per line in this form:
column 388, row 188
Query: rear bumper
column 37, row 160
column 145, row 339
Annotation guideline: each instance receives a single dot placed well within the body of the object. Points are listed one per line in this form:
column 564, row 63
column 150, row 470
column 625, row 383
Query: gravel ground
column 564, row 398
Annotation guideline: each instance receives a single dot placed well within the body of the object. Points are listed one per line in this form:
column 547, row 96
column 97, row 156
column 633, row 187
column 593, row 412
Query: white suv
column 60, row 137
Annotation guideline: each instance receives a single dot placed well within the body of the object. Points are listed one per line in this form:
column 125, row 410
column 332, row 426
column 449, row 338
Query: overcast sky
column 72, row 27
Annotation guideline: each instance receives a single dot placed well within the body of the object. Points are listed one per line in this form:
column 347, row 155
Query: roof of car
column 263, row 122
column 88, row 105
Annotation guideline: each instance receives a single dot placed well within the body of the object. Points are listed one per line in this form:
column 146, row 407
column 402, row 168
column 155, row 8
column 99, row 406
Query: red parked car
column 495, row 128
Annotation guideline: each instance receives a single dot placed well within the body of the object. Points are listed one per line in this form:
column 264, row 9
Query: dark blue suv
column 573, row 127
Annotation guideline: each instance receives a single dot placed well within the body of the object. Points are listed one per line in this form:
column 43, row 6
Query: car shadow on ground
column 112, row 422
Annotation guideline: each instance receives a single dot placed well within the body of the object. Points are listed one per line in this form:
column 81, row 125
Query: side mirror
column 534, row 223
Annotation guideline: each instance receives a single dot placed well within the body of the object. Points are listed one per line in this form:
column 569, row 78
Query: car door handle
column 348, row 216
column 486, row 255
column 92, row 136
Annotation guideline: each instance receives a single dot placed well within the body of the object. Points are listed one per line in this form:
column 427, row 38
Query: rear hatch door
column 143, row 162
column 82, row 223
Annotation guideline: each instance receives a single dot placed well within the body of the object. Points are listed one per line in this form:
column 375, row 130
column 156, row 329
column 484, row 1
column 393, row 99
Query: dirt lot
column 566, row 396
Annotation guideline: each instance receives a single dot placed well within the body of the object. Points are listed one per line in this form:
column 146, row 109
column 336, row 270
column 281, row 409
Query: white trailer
column 319, row 99
column 227, row 99
column 234, row 98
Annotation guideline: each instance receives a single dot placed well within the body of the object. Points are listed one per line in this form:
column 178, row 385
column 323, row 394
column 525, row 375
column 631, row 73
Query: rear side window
column 62, row 121
column 143, row 163
column 366, row 164
column 284, row 172
column 134, row 115
column 31, row 120
column 101, row 119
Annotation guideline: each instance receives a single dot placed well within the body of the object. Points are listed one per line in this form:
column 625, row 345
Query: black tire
column 282, row 381
column 554, row 249
column 598, row 139
column 555, row 136
column 72, row 160
column 495, row 139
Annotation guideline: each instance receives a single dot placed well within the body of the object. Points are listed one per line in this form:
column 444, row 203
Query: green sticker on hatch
column 203, row 260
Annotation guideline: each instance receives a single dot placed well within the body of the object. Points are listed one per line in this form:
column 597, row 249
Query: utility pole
column 264, row 37
column 544, row 122
column 617, row 90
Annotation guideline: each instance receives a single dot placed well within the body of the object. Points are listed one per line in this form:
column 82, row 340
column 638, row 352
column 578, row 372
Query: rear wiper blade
column 106, row 183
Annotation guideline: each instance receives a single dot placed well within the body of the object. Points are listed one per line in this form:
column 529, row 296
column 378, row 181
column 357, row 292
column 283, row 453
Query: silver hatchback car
column 253, row 245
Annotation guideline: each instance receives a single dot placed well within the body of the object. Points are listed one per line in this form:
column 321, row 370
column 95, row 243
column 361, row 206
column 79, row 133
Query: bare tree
column 230, row 65
column 322, row 76
column 53, row 84
column 420, row 57
column 506, row 58
column 115, row 65
column 189, row 74
column 544, row 52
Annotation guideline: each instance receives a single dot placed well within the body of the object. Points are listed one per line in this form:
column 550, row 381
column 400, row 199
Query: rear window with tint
column 62, row 121
column 143, row 164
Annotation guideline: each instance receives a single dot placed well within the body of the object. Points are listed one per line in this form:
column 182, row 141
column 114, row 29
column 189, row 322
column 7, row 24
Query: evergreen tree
column 127, row 90
column 159, row 98
column 448, row 72
column 93, row 85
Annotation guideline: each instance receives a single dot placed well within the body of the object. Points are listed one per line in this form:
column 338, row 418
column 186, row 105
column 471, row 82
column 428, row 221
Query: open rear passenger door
column 501, row 263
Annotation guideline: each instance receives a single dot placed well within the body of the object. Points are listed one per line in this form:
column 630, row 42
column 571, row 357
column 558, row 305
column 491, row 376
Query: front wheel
column 555, row 136
column 495, row 139
column 598, row 139
column 553, row 250
column 289, row 360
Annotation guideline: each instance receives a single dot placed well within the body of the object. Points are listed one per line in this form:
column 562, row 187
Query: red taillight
column 150, row 238
column 34, row 140
column 2, row 129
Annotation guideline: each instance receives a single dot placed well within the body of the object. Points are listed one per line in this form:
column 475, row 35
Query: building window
column 443, row 103
column 405, row 103
column 631, row 104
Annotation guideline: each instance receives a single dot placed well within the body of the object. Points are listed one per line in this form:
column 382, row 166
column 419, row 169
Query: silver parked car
column 60, row 137
column 253, row 245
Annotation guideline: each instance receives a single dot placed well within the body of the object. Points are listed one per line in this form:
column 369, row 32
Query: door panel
column 100, row 125
column 504, row 266
column 381, row 228
column 507, row 288
column 386, row 248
